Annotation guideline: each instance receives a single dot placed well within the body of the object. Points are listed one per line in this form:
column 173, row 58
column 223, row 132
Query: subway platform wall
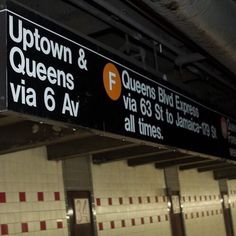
column 126, row 200
column 32, row 200
column 130, row 200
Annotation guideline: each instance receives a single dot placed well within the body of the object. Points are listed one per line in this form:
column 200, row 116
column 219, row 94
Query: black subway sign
column 45, row 69
column 57, row 75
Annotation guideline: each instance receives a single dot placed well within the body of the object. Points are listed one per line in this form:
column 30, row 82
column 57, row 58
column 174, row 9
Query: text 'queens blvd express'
column 164, row 105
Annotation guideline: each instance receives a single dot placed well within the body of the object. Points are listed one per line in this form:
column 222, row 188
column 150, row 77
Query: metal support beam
column 228, row 174
column 125, row 152
column 87, row 145
column 188, row 58
column 166, row 164
column 215, row 167
column 159, row 156
column 204, row 163
column 28, row 134
column 231, row 177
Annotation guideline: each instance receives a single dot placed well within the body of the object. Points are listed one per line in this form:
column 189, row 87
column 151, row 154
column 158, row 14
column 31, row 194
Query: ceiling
column 152, row 39
column 142, row 35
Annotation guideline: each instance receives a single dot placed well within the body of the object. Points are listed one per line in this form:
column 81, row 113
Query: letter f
column 112, row 82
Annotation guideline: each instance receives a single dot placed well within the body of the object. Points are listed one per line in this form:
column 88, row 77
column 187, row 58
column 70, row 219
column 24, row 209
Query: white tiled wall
column 130, row 200
column 31, row 195
column 201, row 204
column 232, row 200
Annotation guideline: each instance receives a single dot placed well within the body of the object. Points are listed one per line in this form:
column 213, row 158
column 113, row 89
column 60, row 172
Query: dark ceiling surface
column 147, row 39
column 132, row 29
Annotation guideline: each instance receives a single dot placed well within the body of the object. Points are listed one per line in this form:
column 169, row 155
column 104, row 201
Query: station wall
column 32, row 198
column 201, row 204
column 130, row 200
column 232, row 201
